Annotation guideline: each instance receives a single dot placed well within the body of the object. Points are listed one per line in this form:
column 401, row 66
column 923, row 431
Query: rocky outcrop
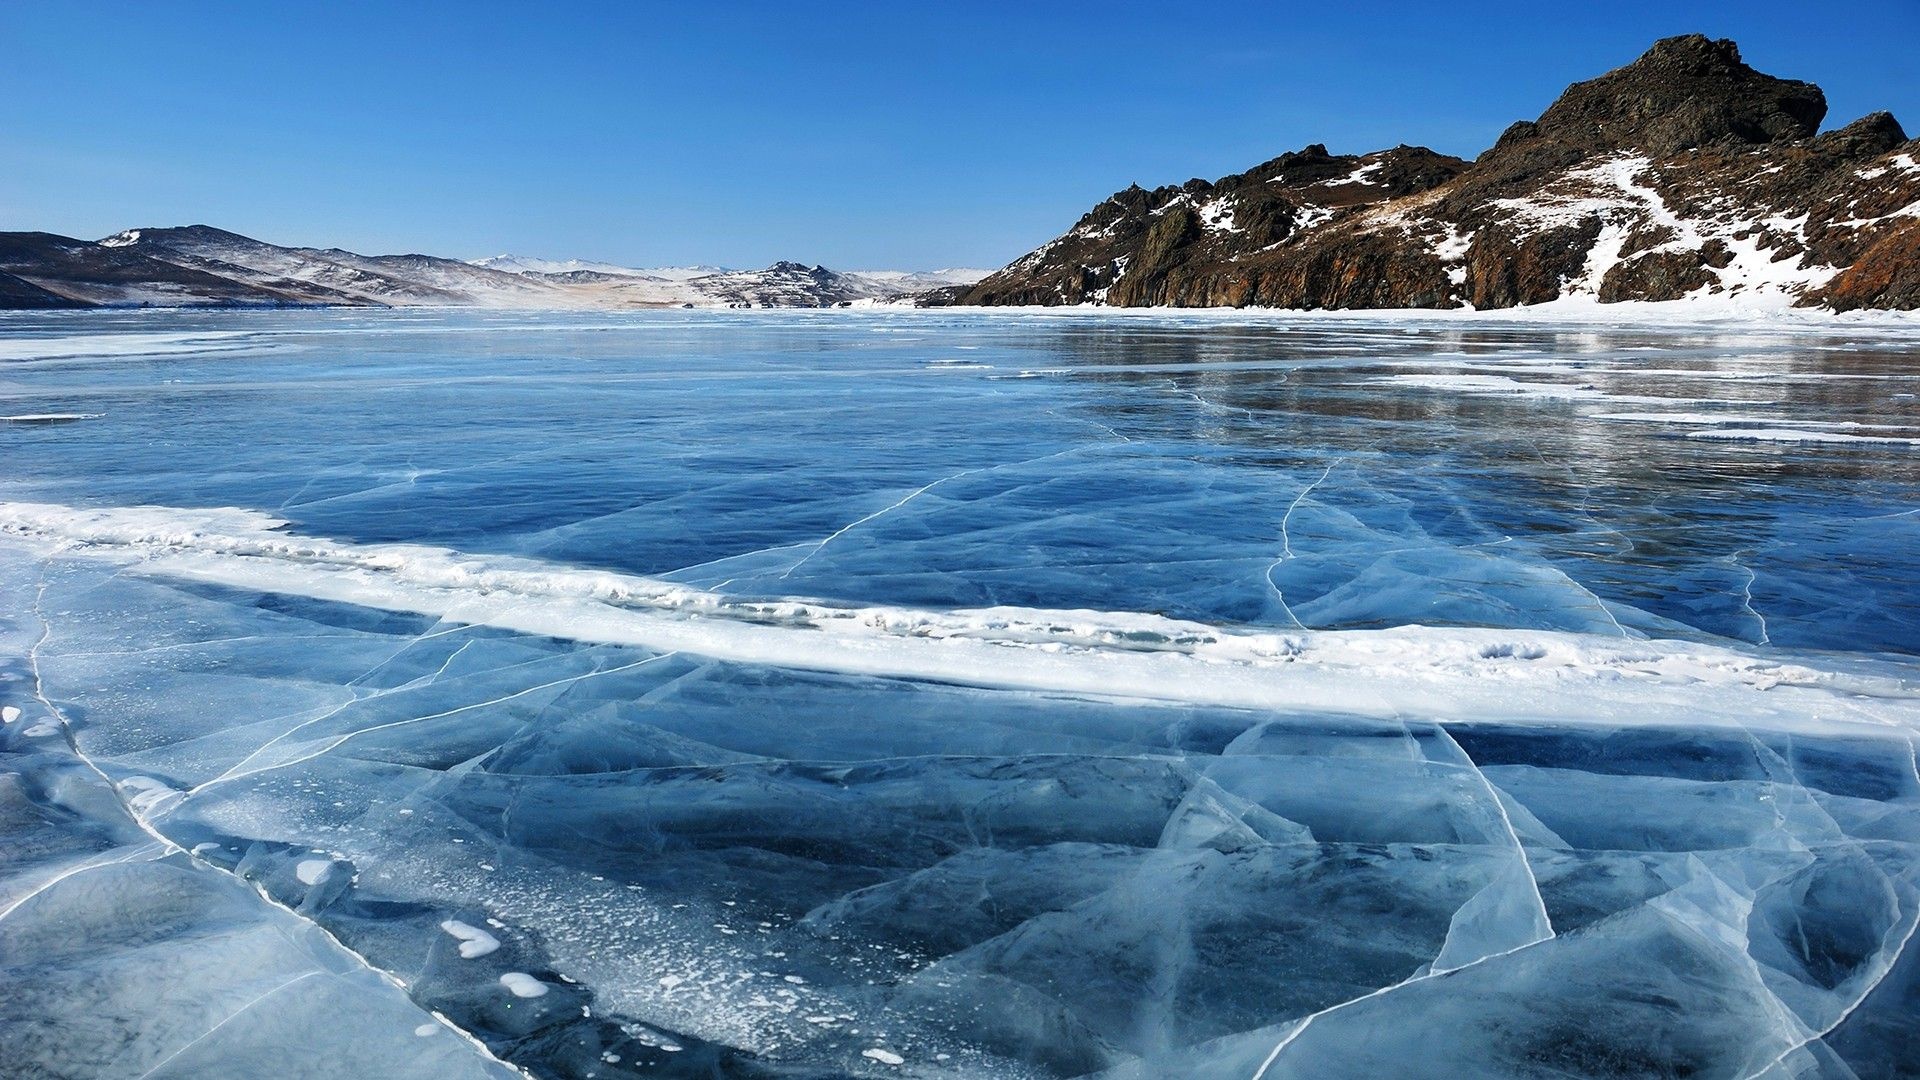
column 1683, row 94
column 1189, row 245
column 1887, row 275
column 1685, row 173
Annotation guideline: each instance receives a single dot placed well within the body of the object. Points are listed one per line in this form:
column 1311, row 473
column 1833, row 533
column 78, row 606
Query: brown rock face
column 1232, row 241
column 1684, row 171
column 1886, row 276
column 1508, row 267
column 1362, row 271
column 1657, row 275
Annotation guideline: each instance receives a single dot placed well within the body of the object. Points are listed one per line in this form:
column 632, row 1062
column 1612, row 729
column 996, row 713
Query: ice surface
column 691, row 696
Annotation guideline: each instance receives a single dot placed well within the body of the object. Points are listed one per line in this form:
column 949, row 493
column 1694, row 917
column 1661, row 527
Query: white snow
column 313, row 871
column 884, row 1057
column 1452, row 251
column 474, row 942
column 1312, row 216
column 1364, row 174
column 522, row 985
column 1216, row 215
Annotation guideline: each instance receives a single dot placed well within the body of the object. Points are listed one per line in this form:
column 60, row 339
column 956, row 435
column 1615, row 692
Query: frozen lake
column 943, row 694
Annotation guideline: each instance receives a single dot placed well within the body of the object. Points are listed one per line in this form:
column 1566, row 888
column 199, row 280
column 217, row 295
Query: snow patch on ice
column 474, row 942
column 522, row 985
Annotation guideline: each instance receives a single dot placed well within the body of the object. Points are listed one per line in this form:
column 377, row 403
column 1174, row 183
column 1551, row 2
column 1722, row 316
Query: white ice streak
column 1791, row 435
column 90, row 346
column 1484, row 673
column 1507, row 386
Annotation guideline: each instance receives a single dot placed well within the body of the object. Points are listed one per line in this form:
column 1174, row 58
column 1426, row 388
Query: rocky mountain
column 1684, row 174
column 202, row 265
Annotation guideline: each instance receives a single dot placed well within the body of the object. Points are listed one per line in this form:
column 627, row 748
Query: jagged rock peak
column 1683, row 93
column 1870, row 136
column 787, row 266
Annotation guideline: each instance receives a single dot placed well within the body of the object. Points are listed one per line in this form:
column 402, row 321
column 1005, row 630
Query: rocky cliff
column 1684, row 174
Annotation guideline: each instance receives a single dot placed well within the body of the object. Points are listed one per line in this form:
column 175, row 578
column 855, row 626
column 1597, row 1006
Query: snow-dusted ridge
column 199, row 265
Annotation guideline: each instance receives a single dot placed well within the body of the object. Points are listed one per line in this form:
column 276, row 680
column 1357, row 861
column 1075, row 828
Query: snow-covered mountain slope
column 784, row 284
column 521, row 264
column 202, row 265
column 1684, row 175
column 919, row 280
column 336, row 276
column 41, row 270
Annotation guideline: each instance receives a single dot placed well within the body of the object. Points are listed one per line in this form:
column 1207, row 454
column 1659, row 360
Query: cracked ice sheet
column 1148, row 470
column 122, row 954
column 938, row 799
column 750, row 864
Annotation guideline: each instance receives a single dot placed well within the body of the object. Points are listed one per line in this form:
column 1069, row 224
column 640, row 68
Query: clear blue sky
column 901, row 134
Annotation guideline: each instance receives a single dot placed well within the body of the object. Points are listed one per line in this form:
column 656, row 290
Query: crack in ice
column 850, row 526
column 196, row 1040
column 357, row 732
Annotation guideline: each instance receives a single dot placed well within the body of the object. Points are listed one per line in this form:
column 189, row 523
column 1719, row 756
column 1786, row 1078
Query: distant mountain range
column 198, row 265
column 1686, row 174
